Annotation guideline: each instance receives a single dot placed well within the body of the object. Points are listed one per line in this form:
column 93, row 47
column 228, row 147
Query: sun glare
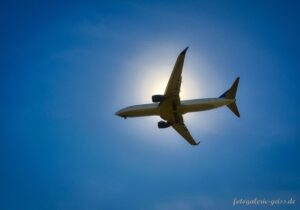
column 150, row 77
column 155, row 81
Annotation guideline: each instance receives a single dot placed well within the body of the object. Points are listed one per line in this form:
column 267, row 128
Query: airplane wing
column 173, row 87
column 184, row 132
column 172, row 90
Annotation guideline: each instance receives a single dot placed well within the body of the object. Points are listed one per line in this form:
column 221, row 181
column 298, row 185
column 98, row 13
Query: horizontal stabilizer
column 231, row 93
column 234, row 109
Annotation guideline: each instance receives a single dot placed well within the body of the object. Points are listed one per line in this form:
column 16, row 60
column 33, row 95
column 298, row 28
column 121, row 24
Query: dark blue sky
column 67, row 67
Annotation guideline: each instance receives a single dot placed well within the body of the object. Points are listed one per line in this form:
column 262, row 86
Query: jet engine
column 157, row 98
column 163, row 124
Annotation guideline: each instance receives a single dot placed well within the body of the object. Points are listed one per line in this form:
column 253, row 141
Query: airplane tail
column 230, row 94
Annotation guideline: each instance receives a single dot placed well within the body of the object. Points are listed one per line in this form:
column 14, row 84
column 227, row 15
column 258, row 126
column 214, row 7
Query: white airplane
column 171, row 109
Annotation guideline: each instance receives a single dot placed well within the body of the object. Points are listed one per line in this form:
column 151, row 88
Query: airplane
column 171, row 109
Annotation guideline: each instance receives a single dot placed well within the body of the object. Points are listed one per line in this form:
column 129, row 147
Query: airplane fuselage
column 166, row 107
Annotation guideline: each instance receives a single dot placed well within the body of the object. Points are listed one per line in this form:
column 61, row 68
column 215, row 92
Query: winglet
column 184, row 51
column 197, row 143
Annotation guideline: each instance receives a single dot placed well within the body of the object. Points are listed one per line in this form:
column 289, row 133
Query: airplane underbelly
column 202, row 104
column 141, row 113
column 169, row 110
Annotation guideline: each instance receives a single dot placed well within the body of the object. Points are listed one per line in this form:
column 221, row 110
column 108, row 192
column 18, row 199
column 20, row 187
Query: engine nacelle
column 163, row 124
column 158, row 98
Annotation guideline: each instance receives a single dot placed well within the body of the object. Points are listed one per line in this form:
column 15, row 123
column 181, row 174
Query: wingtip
column 196, row 143
column 184, row 51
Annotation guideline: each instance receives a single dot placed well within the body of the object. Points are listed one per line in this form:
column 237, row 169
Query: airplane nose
column 118, row 113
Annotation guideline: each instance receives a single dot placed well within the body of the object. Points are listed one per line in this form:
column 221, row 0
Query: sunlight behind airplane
column 170, row 108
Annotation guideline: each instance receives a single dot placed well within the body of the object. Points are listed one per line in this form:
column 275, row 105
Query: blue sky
column 67, row 67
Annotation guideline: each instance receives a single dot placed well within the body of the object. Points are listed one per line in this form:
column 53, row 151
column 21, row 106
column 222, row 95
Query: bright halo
column 149, row 74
